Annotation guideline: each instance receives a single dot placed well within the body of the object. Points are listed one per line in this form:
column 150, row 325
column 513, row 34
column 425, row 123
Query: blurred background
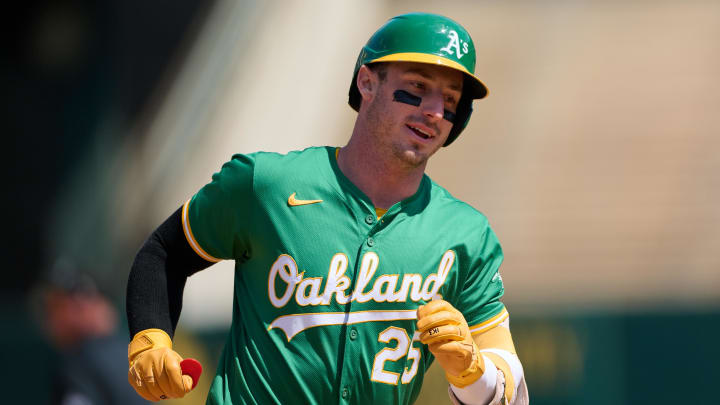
column 596, row 158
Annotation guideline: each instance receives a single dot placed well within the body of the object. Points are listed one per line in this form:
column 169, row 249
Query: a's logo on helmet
column 453, row 47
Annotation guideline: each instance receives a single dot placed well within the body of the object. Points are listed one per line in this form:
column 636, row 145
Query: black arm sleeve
column 157, row 278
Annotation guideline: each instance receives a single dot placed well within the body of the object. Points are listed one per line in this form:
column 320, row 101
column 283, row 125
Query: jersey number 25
column 404, row 348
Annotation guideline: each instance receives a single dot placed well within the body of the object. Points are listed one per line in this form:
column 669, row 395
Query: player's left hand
column 155, row 369
column 444, row 329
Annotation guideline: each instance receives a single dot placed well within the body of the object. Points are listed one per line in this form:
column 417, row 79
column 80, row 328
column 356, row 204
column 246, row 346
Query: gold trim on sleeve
column 191, row 238
column 490, row 323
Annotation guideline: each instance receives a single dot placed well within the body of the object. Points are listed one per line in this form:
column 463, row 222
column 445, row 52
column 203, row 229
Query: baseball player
column 354, row 271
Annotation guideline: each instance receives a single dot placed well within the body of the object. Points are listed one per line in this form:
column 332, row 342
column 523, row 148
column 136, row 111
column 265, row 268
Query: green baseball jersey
column 325, row 293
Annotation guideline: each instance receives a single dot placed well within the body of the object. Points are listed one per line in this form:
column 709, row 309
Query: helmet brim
column 477, row 88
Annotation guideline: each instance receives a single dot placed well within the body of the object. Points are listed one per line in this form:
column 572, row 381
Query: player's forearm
column 154, row 294
column 157, row 278
column 484, row 391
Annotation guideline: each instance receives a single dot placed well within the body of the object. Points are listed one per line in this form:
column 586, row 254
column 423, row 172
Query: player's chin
column 420, row 151
column 413, row 157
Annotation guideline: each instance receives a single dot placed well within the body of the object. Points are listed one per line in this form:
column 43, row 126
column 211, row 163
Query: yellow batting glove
column 155, row 371
column 444, row 329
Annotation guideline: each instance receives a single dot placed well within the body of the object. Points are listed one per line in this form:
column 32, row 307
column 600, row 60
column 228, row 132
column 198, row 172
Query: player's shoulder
column 276, row 161
column 272, row 169
column 269, row 163
column 272, row 166
column 458, row 210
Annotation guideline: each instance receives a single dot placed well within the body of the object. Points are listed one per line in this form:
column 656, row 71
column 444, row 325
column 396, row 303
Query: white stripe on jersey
column 296, row 323
column 490, row 323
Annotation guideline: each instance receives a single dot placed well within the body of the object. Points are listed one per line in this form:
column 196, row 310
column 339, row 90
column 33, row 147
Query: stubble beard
column 381, row 126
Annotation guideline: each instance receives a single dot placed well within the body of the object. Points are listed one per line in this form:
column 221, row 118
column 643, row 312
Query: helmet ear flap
column 354, row 94
column 462, row 116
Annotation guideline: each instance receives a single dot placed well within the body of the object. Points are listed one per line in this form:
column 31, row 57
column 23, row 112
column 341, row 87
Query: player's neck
column 379, row 176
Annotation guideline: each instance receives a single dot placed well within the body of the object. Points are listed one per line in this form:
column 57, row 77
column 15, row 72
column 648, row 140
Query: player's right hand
column 444, row 329
column 155, row 371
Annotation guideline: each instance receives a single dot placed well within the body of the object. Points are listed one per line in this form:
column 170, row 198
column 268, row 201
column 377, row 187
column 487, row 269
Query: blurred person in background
column 81, row 325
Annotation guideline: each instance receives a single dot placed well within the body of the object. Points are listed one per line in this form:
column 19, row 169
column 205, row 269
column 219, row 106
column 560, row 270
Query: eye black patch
column 402, row 96
column 449, row 116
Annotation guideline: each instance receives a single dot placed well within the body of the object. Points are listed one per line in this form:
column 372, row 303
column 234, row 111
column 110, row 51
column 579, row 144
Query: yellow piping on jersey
column 490, row 323
column 191, row 239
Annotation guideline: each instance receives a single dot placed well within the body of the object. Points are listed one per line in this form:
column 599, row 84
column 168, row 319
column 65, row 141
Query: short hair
column 380, row 68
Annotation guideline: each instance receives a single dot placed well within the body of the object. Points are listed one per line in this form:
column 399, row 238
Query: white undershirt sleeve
column 481, row 391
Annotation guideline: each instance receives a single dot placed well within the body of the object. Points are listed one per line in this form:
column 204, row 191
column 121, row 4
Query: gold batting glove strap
column 148, row 339
column 470, row 374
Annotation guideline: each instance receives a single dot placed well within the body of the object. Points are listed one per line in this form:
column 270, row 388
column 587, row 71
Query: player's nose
column 433, row 106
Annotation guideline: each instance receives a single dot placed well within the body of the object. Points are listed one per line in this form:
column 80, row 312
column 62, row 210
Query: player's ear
column 367, row 83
